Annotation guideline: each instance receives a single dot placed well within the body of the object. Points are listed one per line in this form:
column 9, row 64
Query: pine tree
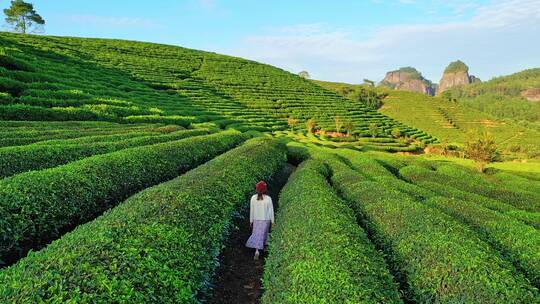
column 22, row 17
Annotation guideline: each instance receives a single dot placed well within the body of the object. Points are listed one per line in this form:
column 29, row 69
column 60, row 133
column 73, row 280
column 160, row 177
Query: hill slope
column 447, row 120
column 58, row 78
column 513, row 97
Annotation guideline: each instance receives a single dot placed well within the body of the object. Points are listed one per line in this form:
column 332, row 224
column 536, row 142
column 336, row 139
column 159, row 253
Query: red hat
column 260, row 187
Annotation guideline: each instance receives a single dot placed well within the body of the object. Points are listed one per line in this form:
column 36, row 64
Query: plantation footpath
column 238, row 277
column 317, row 251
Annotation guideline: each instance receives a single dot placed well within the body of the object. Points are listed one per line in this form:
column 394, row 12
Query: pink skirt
column 259, row 235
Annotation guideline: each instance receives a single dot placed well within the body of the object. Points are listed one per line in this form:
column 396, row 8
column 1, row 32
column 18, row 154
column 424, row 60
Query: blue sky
column 341, row 40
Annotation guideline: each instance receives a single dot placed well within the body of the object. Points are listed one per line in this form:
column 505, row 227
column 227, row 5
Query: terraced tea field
column 52, row 78
column 446, row 120
column 126, row 167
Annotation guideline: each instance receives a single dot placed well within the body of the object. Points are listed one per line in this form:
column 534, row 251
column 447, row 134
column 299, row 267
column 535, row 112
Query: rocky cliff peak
column 455, row 74
column 531, row 94
column 408, row 79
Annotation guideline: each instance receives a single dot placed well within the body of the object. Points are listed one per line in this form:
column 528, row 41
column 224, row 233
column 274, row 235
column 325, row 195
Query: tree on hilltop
column 304, row 74
column 369, row 82
column 22, row 18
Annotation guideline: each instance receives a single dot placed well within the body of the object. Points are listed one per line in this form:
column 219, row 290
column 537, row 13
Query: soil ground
column 238, row 278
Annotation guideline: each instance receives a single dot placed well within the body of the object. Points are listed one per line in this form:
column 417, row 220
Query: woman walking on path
column 261, row 216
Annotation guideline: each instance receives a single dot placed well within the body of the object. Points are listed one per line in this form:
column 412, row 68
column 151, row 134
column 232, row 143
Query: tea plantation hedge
column 517, row 241
column 38, row 206
column 530, row 218
column 466, row 180
column 437, row 259
column 159, row 246
column 126, row 81
column 318, row 253
column 41, row 133
column 19, row 159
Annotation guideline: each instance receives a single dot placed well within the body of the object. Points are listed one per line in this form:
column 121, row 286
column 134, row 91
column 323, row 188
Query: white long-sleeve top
column 261, row 210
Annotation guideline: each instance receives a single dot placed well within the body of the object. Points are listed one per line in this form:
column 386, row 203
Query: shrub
column 436, row 258
column 470, row 181
column 148, row 249
column 517, row 241
column 339, row 123
column 177, row 120
column 396, row 133
column 482, row 151
column 292, row 123
column 317, row 252
column 373, row 129
column 19, row 159
column 349, row 127
column 39, row 206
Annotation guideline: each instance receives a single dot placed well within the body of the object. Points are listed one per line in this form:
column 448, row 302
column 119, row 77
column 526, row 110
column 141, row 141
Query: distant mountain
column 408, row 79
column 453, row 122
column 456, row 74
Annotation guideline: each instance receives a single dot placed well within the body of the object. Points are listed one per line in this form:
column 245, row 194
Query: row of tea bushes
column 375, row 169
column 134, row 81
column 437, row 259
column 530, row 218
column 39, row 206
column 466, row 180
column 518, row 242
column 17, row 159
column 19, row 138
column 159, row 246
column 425, row 187
column 504, row 226
column 318, row 253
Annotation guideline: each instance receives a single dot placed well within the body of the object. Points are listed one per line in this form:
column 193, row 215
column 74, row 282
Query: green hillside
column 511, row 85
column 59, row 78
column 449, row 121
column 126, row 168
column 503, row 97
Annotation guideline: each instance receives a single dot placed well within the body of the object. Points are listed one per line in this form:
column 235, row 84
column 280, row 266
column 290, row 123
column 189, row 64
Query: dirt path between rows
column 238, row 279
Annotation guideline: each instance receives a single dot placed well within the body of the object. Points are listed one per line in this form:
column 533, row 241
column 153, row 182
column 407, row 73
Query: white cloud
column 112, row 21
column 505, row 32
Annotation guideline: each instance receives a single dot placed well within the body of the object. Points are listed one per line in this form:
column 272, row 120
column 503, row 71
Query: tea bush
column 38, row 206
column 159, row 246
column 318, row 253
column 19, row 159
